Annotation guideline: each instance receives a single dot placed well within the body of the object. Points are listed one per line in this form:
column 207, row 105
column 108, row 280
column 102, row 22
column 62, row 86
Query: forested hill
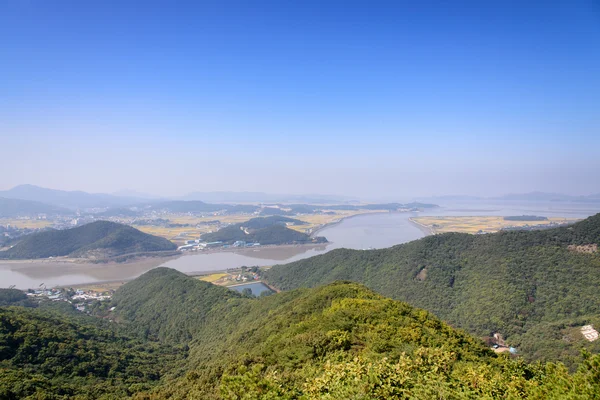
column 50, row 355
column 97, row 240
column 168, row 304
column 536, row 288
column 263, row 230
column 339, row 341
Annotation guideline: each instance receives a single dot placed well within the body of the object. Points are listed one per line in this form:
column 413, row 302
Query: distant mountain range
column 542, row 196
column 531, row 196
column 11, row 208
column 260, row 197
column 69, row 199
column 61, row 201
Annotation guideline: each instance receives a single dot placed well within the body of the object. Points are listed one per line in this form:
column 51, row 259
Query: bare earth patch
column 585, row 248
column 589, row 333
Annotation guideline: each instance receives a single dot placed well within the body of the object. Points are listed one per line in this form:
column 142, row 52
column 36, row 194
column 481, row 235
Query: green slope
column 45, row 355
column 339, row 341
column 167, row 304
column 98, row 240
column 268, row 230
column 526, row 285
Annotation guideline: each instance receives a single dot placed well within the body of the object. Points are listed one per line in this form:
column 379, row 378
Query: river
column 360, row 232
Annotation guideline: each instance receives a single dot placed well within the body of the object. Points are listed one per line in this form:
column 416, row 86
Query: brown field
column 478, row 224
column 25, row 223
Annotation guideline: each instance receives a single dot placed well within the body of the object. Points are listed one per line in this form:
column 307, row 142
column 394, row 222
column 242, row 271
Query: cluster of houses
column 194, row 245
column 49, row 294
column 79, row 298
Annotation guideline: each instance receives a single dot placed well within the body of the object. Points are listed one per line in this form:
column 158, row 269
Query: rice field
column 212, row 277
column 479, row 224
column 25, row 223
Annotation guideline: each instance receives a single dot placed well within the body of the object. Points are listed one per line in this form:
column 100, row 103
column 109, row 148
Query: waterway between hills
column 360, row 232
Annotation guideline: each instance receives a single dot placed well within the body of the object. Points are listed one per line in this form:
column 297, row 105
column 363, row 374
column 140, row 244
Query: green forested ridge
column 339, row 341
column 98, row 239
column 529, row 286
column 167, row 304
column 267, row 230
column 52, row 356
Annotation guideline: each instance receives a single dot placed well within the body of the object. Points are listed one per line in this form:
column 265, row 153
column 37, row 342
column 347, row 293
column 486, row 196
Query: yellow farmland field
column 25, row 223
column 479, row 224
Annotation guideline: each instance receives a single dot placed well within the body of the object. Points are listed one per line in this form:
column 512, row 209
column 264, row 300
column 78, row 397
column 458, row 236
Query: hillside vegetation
column 266, row 231
column 168, row 305
column 339, row 341
column 528, row 286
column 46, row 355
column 97, row 240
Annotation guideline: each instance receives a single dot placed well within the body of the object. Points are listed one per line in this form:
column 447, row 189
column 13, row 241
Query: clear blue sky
column 391, row 98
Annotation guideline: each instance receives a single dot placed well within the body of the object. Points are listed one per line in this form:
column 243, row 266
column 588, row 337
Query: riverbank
column 427, row 230
column 244, row 250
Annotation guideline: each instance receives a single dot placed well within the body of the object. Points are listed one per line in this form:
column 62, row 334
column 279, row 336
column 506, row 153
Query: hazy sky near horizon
column 362, row 98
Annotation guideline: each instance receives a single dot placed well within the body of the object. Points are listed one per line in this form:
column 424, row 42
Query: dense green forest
column 98, row 239
column 263, row 230
column 167, row 305
column 48, row 355
column 529, row 286
column 176, row 337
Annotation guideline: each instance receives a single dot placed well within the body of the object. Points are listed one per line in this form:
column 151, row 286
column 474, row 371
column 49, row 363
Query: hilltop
column 535, row 288
column 97, row 240
column 168, row 304
column 263, row 230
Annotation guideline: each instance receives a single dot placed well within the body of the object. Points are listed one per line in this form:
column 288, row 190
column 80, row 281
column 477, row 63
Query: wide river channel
column 360, row 232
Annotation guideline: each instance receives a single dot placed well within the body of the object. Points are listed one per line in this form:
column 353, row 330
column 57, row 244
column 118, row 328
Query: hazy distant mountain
column 136, row 194
column 260, row 197
column 543, row 196
column 68, row 199
column 450, row 198
column 531, row 196
column 535, row 196
column 197, row 206
column 10, row 208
